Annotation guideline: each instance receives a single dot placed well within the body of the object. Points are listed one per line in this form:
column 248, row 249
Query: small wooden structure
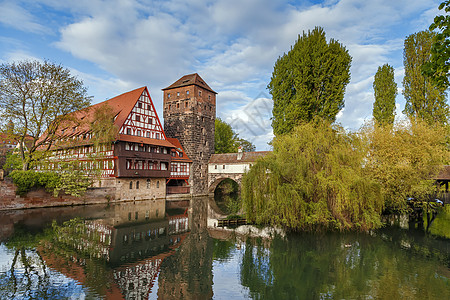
column 231, row 222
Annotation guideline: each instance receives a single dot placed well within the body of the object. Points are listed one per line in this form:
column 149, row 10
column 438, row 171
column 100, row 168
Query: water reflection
column 140, row 251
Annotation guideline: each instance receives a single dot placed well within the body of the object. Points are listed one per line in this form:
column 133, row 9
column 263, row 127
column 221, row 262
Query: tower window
column 168, row 95
column 187, row 93
column 178, row 105
column 209, row 97
column 199, row 93
column 178, row 94
column 186, row 104
column 170, row 106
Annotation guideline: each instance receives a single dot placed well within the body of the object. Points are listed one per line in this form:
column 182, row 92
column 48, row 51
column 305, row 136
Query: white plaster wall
column 229, row 168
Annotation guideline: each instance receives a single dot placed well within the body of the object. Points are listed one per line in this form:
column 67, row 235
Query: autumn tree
column 439, row 65
column 227, row 141
column 385, row 91
column 37, row 97
column 309, row 81
column 424, row 100
column 404, row 159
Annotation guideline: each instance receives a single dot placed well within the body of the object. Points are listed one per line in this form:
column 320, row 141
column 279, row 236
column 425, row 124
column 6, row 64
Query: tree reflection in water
column 120, row 257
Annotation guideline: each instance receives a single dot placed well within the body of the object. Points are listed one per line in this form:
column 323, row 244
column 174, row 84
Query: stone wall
column 191, row 119
column 140, row 189
column 40, row 198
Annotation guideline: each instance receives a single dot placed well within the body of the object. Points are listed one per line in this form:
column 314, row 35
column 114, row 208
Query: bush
column 27, row 180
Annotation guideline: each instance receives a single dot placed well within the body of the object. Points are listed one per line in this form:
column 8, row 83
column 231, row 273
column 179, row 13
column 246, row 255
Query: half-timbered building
column 138, row 162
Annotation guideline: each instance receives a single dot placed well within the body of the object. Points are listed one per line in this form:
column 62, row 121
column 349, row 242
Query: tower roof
column 191, row 79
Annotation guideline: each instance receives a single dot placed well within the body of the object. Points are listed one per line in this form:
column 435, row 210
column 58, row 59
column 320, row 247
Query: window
column 148, row 134
column 187, row 93
column 223, row 166
column 157, row 184
column 149, row 107
column 129, row 164
column 170, row 106
column 209, row 97
column 137, row 187
column 215, row 167
column 150, row 121
column 137, row 118
column 136, row 215
column 131, row 185
column 148, row 186
column 178, row 105
column 129, row 131
column 138, row 133
column 157, row 136
column 186, row 104
column 183, row 168
column 174, row 168
column 180, row 154
column 168, row 95
column 199, row 93
column 140, row 105
column 178, row 94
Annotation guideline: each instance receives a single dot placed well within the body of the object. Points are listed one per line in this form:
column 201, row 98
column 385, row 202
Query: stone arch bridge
column 230, row 166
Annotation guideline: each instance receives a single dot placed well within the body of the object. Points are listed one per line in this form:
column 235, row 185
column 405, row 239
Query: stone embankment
column 40, row 198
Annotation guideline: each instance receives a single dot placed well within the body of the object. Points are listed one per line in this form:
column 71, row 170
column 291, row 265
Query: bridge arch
column 214, row 181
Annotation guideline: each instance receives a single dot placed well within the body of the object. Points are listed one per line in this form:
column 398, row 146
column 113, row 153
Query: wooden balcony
column 178, row 189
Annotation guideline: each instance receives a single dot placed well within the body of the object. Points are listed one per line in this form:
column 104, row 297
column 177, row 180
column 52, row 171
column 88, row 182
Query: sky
column 115, row 46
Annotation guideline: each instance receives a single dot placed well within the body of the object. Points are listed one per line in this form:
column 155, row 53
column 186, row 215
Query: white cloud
column 232, row 44
column 15, row 16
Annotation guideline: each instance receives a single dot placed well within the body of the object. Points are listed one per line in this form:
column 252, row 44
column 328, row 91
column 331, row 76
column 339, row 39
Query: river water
column 141, row 251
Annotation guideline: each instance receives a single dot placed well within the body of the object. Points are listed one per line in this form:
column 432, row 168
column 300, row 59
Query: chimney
column 240, row 153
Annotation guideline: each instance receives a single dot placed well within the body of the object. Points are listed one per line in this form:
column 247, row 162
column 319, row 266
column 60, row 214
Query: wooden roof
column 232, row 158
column 444, row 174
column 191, row 79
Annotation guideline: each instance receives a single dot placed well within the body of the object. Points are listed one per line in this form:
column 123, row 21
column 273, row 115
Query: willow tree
column 38, row 97
column 309, row 81
column 424, row 99
column 314, row 178
column 385, row 91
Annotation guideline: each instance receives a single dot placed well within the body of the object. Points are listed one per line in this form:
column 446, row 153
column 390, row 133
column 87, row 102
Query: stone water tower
column 189, row 115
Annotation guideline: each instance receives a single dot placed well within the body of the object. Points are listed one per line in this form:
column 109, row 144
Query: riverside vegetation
column 321, row 176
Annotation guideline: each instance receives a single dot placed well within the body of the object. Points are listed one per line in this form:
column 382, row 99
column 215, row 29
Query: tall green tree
column 439, row 65
column 309, row 81
column 424, row 100
column 227, row 141
column 385, row 91
column 38, row 97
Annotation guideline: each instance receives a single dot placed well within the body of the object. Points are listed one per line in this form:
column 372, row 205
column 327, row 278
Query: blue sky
column 118, row 45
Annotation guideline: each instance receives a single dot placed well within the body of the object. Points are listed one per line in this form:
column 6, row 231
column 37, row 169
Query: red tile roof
column 191, row 79
column 177, row 144
column 121, row 107
column 232, row 158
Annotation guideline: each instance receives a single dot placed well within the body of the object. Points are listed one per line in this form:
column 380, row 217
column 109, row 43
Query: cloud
column 15, row 16
column 232, row 44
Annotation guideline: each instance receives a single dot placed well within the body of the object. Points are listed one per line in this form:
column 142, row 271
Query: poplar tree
column 424, row 100
column 385, row 91
column 309, row 81
column 439, row 66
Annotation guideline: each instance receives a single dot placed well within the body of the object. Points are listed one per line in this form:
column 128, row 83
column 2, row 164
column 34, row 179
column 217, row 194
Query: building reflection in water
column 119, row 255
